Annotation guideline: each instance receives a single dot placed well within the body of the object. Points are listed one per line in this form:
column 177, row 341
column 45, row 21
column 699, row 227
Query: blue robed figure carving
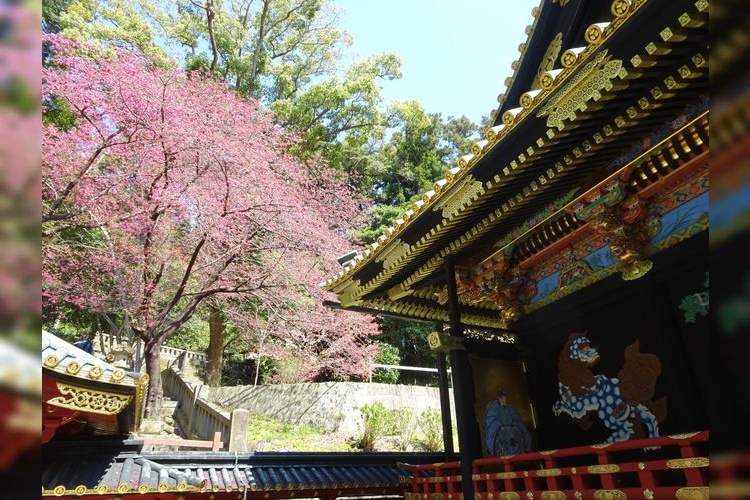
column 505, row 431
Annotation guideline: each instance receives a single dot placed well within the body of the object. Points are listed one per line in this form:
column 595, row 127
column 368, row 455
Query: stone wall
column 329, row 406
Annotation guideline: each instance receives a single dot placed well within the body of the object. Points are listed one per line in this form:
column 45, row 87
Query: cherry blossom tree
column 169, row 189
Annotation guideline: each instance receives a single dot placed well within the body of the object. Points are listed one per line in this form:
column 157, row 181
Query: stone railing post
column 238, row 430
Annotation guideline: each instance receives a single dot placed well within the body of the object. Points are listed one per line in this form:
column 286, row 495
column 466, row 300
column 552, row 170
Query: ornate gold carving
column 594, row 34
column 118, row 375
column 395, row 252
column 527, row 98
column 140, row 398
column 80, row 489
column 610, row 495
column 621, row 8
column 603, row 468
column 51, row 361
column 95, row 372
column 548, row 472
column 569, row 58
column 587, row 85
column 692, row 493
column 444, row 343
column 90, row 400
column 73, row 368
column 687, row 463
column 553, row 495
column 530, row 495
column 466, row 191
column 493, row 133
column 578, row 495
column 648, row 494
column 547, row 80
column 548, row 60
column 59, row 491
column 509, row 495
column 510, row 116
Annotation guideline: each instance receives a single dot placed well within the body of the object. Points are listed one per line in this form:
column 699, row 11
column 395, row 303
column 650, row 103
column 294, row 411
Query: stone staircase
column 165, row 426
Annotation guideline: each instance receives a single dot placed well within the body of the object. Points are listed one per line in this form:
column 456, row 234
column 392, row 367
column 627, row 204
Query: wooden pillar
column 445, row 401
column 463, row 390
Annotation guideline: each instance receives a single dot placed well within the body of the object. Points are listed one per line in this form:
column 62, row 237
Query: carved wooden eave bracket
column 621, row 220
column 494, row 283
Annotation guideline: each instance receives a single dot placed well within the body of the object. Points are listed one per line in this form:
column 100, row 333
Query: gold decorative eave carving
column 90, row 400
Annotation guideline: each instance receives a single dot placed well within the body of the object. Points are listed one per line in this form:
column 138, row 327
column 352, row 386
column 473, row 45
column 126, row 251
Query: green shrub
column 375, row 418
column 403, row 428
column 387, row 355
column 430, row 425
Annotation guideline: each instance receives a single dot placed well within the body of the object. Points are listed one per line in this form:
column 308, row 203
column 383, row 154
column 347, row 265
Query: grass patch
column 267, row 434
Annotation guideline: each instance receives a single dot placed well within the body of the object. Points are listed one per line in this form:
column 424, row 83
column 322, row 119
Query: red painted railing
column 664, row 467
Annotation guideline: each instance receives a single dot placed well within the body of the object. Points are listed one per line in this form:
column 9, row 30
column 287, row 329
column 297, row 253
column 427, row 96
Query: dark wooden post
column 463, row 390
column 445, row 400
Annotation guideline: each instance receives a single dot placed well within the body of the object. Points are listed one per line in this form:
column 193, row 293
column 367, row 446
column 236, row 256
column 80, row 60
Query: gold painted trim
column 692, row 493
column 140, row 398
column 51, row 361
column 603, row 469
column 687, row 463
column 685, row 435
column 553, row 495
column 121, row 489
column 90, row 400
column 509, row 495
column 548, row 472
column 506, row 475
column 610, row 495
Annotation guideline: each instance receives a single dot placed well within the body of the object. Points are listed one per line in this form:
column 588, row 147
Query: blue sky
column 455, row 54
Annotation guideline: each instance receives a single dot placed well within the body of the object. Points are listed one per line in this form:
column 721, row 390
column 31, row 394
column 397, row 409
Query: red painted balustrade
column 655, row 468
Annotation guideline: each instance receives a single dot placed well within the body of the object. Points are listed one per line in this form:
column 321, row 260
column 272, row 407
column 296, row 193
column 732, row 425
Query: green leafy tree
column 387, row 355
column 419, row 151
column 410, row 338
column 110, row 24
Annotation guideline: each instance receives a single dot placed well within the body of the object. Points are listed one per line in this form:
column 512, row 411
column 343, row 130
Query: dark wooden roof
column 88, row 468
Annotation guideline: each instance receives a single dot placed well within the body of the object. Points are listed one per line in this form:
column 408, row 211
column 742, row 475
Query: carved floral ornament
column 494, row 282
column 89, row 400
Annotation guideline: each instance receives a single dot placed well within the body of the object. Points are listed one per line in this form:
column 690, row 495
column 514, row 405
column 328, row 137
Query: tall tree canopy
column 169, row 189
column 288, row 54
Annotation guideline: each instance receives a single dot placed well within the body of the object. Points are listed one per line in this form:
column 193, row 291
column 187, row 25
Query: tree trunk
column 215, row 348
column 258, row 359
column 152, row 354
